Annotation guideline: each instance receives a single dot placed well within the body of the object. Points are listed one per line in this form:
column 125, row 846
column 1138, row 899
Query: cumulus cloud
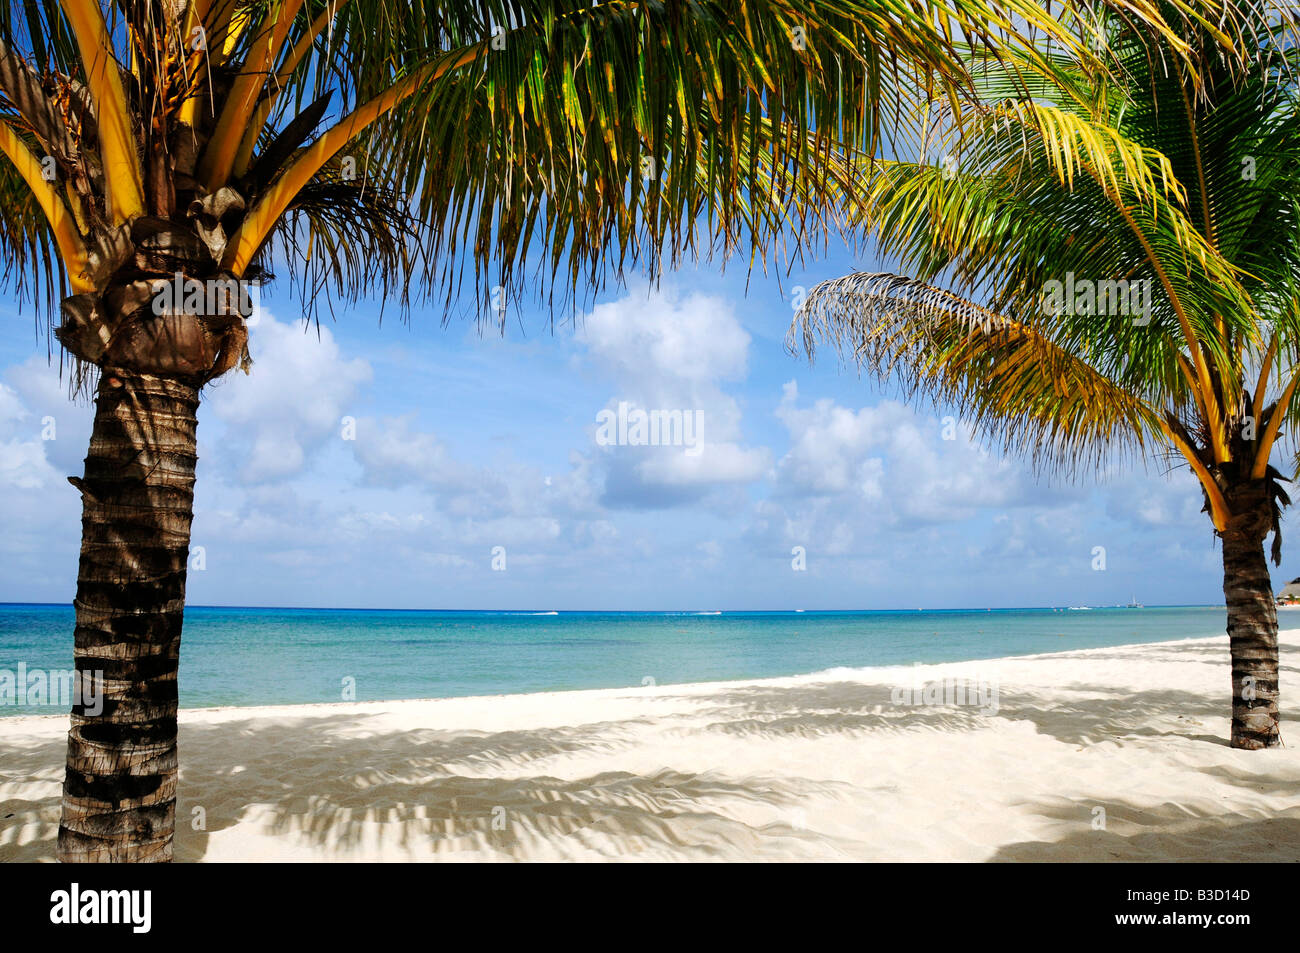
column 23, row 465
column 892, row 457
column 659, row 340
column 62, row 423
column 409, row 511
column 42, row 434
column 670, row 354
column 393, row 453
column 294, row 400
column 1150, row 502
column 22, row 454
column 476, row 503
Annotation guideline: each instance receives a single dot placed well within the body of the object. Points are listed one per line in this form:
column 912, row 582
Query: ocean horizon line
column 691, row 611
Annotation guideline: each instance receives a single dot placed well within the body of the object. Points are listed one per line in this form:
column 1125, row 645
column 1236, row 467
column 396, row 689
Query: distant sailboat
column 1134, row 604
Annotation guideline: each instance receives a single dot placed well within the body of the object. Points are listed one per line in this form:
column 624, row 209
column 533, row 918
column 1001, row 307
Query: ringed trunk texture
column 1252, row 637
column 119, row 794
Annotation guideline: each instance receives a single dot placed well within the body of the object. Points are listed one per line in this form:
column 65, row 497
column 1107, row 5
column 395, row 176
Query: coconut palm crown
column 1102, row 259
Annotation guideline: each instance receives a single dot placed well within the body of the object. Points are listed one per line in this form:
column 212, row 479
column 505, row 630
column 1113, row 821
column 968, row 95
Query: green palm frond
column 611, row 134
column 539, row 143
column 1010, row 381
column 518, row 132
column 1177, row 177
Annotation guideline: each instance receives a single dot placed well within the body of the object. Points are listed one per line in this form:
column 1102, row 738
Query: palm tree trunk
column 1252, row 637
column 119, row 794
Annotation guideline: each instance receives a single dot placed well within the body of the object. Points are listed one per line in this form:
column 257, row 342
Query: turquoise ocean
column 250, row 656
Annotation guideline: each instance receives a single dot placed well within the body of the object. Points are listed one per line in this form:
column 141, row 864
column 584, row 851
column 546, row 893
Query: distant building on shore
column 1290, row 592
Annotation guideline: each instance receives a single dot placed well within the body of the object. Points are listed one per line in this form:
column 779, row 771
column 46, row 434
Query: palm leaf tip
column 856, row 312
column 1011, row 381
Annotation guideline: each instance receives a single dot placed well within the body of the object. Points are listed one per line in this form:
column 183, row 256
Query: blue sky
column 466, row 442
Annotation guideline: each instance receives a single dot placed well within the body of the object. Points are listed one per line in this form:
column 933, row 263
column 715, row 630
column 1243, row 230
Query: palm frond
column 1008, row 380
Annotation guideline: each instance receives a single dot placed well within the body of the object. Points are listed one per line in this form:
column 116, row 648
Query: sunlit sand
column 1103, row 754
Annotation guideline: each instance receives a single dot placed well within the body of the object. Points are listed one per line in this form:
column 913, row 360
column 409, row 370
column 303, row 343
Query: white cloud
column 39, row 526
column 393, row 454
column 1153, row 501
column 23, row 465
column 671, row 353
column 44, row 395
column 890, row 456
column 43, row 435
column 477, row 504
column 12, row 408
column 294, row 400
column 660, row 337
column 716, row 463
column 408, row 513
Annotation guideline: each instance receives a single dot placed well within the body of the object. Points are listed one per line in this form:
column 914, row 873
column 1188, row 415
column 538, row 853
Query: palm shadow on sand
column 335, row 787
column 1137, row 833
column 1091, row 714
column 449, row 793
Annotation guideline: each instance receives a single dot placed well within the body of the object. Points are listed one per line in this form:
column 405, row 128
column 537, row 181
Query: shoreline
column 851, row 672
column 687, row 612
column 835, row 765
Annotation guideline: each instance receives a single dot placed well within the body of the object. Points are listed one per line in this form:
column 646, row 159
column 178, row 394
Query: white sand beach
column 819, row 767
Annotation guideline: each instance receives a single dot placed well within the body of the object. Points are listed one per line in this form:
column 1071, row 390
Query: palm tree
column 1101, row 258
column 162, row 154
